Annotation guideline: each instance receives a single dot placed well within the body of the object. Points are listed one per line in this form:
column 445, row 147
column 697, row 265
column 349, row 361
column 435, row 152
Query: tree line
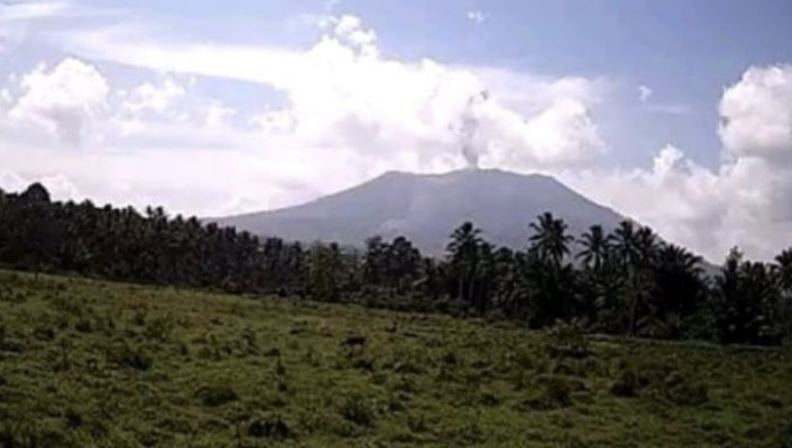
column 625, row 282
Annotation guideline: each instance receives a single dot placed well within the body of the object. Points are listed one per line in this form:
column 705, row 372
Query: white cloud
column 745, row 202
column 477, row 17
column 59, row 186
column 12, row 182
column 679, row 199
column 15, row 19
column 561, row 135
column 644, row 93
column 757, row 114
column 218, row 115
column 407, row 115
column 154, row 98
column 146, row 102
column 349, row 114
column 64, row 99
column 31, row 10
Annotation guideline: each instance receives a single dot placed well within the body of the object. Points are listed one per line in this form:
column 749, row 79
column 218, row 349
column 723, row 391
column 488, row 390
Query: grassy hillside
column 85, row 363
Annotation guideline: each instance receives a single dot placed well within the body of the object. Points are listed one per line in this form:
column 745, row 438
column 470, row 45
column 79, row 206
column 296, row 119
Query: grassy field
column 87, row 363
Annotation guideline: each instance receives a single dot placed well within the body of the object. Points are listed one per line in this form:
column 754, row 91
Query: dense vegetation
column 84, row 363
column 627, row 282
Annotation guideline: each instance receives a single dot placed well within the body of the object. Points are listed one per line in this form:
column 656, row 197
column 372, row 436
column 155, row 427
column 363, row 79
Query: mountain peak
column 427, row 207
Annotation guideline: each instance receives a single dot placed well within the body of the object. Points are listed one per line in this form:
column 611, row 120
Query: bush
column 785, row 437
column 270, row 427
column 683, row 391
column 417, row 423
column 556, row 392
column 159, row 328
column 628, row 384
column 38, row 434
column 214, row 396
column 358, row 410
column 125, row 355
column 660, row 382
column 489, row 399
column 84, row 325
column 568, row 339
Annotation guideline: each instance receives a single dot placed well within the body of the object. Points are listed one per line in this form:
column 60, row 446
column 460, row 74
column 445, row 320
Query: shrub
column 568, row 339
column 417, row 423
column 785, row 437
column 683, row 391
column 44, row 332
column 73, row 418
column 628, row 384
column 556, row 392
column 489, row 399
column 363, row 364
column 662, row 382
column 218, row 395
column 125, row 355
column 250, row 341
column 37, row 434
column 397, row 402
column 358, row 410
column 84, row 325
column 270, row 427
column 159, row 328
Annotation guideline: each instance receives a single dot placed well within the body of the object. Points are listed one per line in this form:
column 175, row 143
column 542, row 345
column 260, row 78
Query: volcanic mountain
column 427, row 207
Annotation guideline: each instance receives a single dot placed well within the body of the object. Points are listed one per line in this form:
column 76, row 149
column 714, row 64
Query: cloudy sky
column 676, row 113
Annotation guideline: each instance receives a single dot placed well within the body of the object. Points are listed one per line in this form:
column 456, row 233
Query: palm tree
column 550, row 241
column 635, row 250
column 595, row 247
column 646, row 245
column 624, row 243
column 678, row 288
column 784, row 266
column 464, row 253
column 465, row 241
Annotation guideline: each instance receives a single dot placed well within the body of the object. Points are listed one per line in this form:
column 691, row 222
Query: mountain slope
column 426, row 208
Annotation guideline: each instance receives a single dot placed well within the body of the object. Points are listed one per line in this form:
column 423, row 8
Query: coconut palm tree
column 463, row 254
column 784, row 267
column 635, row 250
column 595, row 247
column 550, row 241
column 678, row 289
column 624, row 243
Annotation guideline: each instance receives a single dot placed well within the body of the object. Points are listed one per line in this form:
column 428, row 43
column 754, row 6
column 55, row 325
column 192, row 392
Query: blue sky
column 674, row 112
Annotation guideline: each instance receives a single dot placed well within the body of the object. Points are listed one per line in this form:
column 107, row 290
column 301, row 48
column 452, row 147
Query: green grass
column 88, row 363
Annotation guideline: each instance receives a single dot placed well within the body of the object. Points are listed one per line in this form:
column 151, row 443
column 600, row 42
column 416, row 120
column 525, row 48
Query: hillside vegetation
column 626, row 282
column 86, row 363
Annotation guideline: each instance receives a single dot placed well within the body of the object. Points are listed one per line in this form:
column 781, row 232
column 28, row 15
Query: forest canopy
column 625, row 282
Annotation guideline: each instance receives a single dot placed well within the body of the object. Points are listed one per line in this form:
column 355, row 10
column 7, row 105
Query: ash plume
column 469, row 130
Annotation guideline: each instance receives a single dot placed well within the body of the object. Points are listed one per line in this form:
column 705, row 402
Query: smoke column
column 469, row 130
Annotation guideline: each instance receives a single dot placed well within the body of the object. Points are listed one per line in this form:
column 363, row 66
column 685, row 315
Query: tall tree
column 746, row 297
column 550, row 281
column 678, row 291
column 463, row 256
column 550, row 241
column 595, row 248
column 635, row 250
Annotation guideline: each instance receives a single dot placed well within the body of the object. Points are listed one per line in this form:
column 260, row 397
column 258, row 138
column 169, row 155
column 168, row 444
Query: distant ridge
column 427, row 207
